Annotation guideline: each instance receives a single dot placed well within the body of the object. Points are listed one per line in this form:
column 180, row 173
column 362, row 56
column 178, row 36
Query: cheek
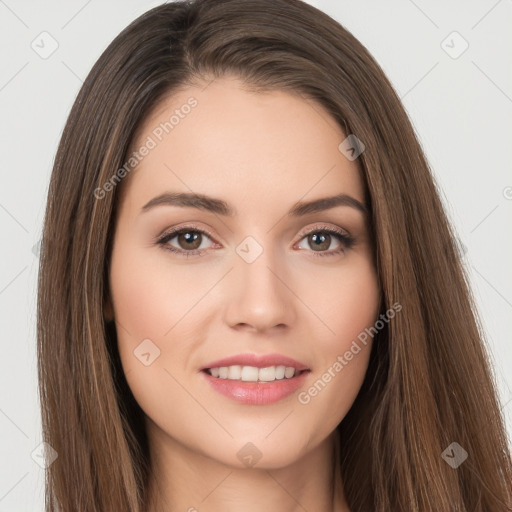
column 328, row 397
column 153, row 312
column 145, row 309
column 151, row 298
column 349, row 307
column 163, row 302
column 345, row 302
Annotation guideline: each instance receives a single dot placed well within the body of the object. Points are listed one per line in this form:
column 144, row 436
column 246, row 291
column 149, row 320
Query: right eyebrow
column 185, row 199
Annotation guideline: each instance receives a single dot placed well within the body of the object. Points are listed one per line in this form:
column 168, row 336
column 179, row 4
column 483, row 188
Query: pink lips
column 256, row 393
column 257, row 361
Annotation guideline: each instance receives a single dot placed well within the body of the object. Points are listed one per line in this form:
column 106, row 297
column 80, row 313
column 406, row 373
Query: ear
column 108, row 310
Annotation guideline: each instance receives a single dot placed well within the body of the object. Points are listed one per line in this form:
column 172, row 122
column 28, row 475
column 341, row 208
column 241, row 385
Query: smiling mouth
column 253, row 373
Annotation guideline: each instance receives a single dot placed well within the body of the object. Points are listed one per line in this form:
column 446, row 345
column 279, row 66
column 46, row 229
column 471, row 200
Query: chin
column 258, row 452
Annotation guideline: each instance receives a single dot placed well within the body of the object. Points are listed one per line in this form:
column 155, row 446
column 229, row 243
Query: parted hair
column 429, row 381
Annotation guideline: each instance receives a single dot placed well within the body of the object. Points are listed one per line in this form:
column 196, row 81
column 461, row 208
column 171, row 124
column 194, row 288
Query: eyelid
column 322, row 226
column 346, row 238
column 302, row 233
column 189, row 226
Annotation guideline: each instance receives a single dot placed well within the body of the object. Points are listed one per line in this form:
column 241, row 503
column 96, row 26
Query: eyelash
column 347, row 241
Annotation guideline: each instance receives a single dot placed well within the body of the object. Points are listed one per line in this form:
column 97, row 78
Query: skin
column 261, row 153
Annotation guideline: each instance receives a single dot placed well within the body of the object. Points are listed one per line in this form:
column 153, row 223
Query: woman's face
column 254, row 277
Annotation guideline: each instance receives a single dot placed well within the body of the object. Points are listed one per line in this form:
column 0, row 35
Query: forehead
column 223, row 140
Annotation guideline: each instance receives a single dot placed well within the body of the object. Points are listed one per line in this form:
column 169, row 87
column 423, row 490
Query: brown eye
column 319, row 242
column 189, row 239
column 185, row 241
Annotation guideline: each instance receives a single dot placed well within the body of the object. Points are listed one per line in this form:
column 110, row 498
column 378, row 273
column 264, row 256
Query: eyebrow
column 218, row 206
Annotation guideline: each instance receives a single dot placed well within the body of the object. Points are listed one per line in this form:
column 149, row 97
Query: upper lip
column 258, row 361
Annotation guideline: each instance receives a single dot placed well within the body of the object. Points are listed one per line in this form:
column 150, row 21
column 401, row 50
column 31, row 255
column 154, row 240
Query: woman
column 250, row 296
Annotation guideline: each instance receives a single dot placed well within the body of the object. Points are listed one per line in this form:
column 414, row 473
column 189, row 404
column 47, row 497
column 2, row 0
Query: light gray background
column 461, row 109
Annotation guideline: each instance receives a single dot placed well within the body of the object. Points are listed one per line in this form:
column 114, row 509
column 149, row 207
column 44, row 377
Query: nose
column 261, row 297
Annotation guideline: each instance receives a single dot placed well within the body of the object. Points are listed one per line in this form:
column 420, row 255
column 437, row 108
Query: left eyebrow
column 326, row 203
column 211, row 204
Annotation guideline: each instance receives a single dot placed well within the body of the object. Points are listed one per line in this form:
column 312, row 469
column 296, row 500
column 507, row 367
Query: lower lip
column 256, row 393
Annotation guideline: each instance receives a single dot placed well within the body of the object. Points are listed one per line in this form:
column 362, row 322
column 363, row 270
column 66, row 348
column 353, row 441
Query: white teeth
column 268, row 374
column 234, row 372
column 288, row 372
column 249, row 374
column 252, row 373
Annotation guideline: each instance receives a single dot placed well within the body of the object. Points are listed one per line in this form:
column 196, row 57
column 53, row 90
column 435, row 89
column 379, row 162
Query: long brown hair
column 429, row 382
